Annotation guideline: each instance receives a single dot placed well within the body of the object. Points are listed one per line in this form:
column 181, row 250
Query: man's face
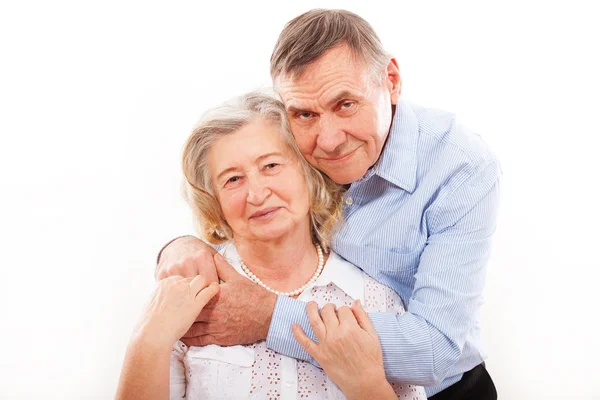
column 339, row 114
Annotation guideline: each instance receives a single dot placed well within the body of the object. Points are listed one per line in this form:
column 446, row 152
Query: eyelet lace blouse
column 255, row 372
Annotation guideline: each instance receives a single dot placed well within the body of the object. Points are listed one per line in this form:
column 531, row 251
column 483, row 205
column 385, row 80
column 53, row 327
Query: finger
column 169, row 281
column 329, row 317
column 224, row 270
column 197, row 284
column 363, row 318
column 162, row 274
column 311, row 347
column 197, row 329
column 204, row 261
column 209, row 313
column 206, row 294
column 346, row 316
column 200, row 340
column 316, row 323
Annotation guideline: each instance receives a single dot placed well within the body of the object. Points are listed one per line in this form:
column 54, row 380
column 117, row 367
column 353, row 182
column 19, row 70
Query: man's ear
column 393, row 80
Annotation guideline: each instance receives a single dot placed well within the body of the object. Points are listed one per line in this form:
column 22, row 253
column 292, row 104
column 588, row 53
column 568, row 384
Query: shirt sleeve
column 280, row 338
column 177, row 384
column 421, row 346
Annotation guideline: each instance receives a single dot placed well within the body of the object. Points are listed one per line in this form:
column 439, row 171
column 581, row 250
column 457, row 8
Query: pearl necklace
column 296, row 292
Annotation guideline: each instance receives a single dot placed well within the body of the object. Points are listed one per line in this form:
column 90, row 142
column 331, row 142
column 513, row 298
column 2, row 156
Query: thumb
column 224, row 270
column 311, row 347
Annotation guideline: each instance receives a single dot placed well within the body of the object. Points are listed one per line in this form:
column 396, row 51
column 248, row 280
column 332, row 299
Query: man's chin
column 345, row 176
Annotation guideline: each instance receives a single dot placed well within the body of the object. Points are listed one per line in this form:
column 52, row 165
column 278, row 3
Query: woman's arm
column 169, row 314
column 348, row 350
column 145, row 373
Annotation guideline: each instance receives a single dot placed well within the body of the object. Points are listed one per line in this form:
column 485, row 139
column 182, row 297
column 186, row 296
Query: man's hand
column 187, row 256
column 239, row 314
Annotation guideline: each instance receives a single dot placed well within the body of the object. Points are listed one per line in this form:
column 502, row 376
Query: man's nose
column 330, row 136
column 258, row 189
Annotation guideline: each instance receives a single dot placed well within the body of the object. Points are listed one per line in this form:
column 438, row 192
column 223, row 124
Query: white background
column 96, row 99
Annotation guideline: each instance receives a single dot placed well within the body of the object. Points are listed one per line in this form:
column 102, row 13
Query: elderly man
column 419, row 211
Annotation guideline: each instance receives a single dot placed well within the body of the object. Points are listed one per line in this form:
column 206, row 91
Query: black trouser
column 475, row 384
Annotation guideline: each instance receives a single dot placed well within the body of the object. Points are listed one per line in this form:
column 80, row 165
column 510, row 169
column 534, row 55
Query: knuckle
column 173, row 269
column 202, row 281
column 344, row 309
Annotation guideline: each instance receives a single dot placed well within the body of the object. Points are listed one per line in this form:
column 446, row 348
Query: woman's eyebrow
column 274, row 153
column 226, row 171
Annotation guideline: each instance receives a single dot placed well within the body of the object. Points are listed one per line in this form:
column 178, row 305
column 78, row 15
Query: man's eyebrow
column 344, row 94
column 296, row 110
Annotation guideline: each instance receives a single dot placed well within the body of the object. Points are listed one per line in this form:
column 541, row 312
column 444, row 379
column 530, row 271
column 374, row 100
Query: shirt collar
column 398, row 161
column 344, row 275
column 336, row 270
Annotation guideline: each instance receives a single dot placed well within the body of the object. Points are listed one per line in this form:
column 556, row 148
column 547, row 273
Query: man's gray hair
column 308, row 36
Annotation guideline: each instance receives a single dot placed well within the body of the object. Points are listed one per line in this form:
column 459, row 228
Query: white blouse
column 256, row 372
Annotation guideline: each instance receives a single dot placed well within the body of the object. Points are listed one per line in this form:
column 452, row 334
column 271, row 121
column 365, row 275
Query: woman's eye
column 271, row 165
column 233, row 179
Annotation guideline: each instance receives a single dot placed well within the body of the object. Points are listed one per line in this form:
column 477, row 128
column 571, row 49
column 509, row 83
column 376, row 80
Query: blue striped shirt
column 420, row 222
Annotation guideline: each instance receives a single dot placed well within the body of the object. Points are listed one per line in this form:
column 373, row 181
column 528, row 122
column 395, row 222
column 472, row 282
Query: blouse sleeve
column 177, row 372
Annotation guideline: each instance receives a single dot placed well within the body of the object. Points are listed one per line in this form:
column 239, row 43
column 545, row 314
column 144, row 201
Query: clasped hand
column 239, row 314
column 348, row 349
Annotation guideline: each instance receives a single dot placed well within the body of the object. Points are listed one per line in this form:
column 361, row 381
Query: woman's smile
column 265, row 213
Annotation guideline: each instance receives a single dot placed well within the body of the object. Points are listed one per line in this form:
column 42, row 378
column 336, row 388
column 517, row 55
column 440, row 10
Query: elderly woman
column 253, row 193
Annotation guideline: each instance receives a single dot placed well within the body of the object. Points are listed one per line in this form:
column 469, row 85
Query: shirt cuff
column 407, row 355
column 280, row 338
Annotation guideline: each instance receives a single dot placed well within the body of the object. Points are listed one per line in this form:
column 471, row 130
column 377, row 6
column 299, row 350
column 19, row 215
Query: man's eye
column 348, row 104
column 305, row 115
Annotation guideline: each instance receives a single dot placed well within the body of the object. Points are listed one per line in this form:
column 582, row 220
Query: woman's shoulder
column 376, row 297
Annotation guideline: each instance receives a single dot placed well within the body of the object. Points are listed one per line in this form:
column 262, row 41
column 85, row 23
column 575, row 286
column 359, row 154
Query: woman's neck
column 283, row 264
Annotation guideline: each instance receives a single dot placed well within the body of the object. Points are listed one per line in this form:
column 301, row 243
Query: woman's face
column 259, row 183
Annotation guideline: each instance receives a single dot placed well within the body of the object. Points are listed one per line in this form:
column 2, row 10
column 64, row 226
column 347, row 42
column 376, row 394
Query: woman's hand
column 173, row 308
column 187, row 256
column 348, row 350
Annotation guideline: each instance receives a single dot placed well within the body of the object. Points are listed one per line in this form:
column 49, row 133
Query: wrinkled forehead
column 250, row 143
column 333, row 75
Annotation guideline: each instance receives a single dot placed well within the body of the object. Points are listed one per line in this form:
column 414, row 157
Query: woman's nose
column 258, row 190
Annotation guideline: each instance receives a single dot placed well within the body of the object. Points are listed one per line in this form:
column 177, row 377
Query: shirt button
column 349, row 201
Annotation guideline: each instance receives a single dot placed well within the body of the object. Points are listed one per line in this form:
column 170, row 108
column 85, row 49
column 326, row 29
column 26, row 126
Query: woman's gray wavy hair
column 325, row 194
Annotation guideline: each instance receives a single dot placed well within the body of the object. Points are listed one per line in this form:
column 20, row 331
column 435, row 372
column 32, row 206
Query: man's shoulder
column 442, row 134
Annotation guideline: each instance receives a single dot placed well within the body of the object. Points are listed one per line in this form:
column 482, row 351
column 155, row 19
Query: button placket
column 289, row 378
